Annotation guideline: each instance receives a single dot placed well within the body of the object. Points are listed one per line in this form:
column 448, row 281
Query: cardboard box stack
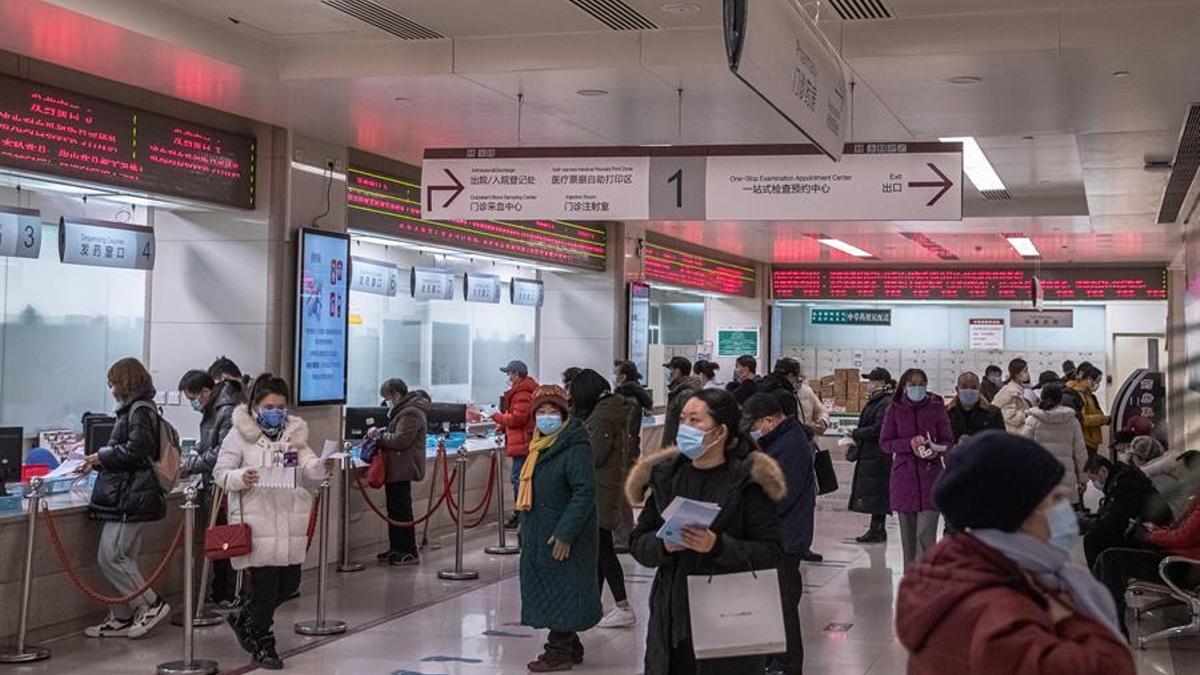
column 844, row 391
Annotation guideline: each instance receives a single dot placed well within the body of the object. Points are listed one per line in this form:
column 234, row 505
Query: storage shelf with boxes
column 843, row 391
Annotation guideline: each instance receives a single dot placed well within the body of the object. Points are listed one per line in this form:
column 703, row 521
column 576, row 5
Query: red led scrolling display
column 390, row 205
column 52, row 131
column 689, row 270
column 1084, row 283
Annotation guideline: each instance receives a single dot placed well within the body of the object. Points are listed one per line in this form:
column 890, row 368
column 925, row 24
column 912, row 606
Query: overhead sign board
column 777, row 51
column 851, row 317
column 526, row 292
column 735, row 342
column 874, row 181
column 53, row 131
column 986, row 334
column 431, row 284
column 967, row 283
column 678, row 263
column 481, row 288
column 374, row 276
column 20, row 232
column 383, row 196
column 322, row 322
column 102, row 243
column 1042, row 318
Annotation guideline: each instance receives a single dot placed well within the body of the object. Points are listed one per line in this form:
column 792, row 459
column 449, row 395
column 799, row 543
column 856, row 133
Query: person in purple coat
column 916, row 433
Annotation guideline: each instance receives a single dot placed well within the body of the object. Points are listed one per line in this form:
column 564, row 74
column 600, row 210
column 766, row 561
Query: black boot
column 265, row 654
column 241, row 629
column 514, row 522
column 876, row 534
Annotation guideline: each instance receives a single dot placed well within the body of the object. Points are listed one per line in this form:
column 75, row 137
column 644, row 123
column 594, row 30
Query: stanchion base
column 451, row 575
column 205, row 619
column 326, row 627
column 502, row 550
column 32, row 653
column 196, row 667
column 430, row 546
column 351, row 567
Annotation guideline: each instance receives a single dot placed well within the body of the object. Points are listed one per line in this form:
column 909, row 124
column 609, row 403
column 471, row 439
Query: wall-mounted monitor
column 322, row 320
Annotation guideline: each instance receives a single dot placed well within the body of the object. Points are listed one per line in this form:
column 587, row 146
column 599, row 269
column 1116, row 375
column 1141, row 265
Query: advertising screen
column 53, row 131
column 321, row 317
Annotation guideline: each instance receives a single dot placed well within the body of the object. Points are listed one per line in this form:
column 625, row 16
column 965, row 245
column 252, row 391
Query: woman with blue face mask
column 1001, row 594
column 916, row 432
column 556, row 500
column 714, row 461
column 264, row 465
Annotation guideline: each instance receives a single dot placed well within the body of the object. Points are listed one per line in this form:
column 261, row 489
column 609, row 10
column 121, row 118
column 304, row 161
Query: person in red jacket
column 1000, row 596
column 515, row 421
column 1116, row 567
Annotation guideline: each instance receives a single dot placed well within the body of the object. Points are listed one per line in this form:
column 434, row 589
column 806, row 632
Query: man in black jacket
column 680, row 387
column 1126, row 491
column 970, row 413
column 869, row 492
column 745, row 381
column 628, row 383
column 781, row 383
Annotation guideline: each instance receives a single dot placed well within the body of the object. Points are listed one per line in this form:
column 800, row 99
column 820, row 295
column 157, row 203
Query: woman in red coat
column 516, row 421
column 1000, row 596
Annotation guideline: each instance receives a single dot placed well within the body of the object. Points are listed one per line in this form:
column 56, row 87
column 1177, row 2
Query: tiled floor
column 404, row 621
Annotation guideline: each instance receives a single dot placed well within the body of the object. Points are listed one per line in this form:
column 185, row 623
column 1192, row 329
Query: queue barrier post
column 189, row 665
column 321, row 625
column 458, row 573
column 502, row 547
column 438, row 458
column 205, row 617
column 22, row 652
column 345, row 564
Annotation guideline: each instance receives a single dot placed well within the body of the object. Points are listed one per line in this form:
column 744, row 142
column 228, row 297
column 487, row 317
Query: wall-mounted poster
column 639, row 327
column 322, row 327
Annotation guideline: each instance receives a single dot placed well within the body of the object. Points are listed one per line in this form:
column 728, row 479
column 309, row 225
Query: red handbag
column 377, row 472
column 222, row 542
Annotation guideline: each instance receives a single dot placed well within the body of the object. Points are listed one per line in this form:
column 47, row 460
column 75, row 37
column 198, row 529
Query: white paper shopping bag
column 736, row 614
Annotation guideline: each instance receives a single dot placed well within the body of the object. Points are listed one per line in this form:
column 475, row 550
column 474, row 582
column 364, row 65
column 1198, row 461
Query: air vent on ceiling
column 996, row 195
column 1187, row 160
column 861, row 10
column 384, row 19
column 615, row 14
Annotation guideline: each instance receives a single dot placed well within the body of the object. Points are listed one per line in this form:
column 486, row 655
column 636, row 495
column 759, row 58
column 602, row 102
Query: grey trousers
column 120, row 544
column 918, row 533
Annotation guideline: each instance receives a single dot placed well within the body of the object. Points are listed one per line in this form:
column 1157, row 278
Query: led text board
column 677, row 263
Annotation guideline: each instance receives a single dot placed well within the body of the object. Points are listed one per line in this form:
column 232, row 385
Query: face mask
column 272, row 418
column 197, row 405
column 548, row 424
column 690, row 441
column 756, row 434
column 1064, row 527
column 995, row 379
column 667, row 377
column 915, row 393
column 968, row 397
column 1098, row 484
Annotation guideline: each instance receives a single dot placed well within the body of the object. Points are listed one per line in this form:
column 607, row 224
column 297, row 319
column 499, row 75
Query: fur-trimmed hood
column 762, row 469
column 295, row 431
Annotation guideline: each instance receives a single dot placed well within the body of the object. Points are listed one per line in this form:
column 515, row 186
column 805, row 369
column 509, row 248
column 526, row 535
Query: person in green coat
column 556, row 500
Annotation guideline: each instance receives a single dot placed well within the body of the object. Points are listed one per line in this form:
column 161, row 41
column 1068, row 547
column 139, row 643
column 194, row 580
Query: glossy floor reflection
column 404, row 621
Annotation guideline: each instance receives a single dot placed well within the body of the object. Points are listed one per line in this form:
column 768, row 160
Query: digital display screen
column 680, row 264
column 321, row 317
column 48, row 130
column 947, row 283
column 383, row 202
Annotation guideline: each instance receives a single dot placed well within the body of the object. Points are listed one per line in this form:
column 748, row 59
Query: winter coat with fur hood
column 278, row 517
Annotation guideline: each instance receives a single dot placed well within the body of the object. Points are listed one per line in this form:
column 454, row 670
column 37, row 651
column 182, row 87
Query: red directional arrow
column 945, row 183
column 457, row 189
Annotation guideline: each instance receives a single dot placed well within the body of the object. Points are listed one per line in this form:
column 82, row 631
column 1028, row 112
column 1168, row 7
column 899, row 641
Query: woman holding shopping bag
column 713, row 462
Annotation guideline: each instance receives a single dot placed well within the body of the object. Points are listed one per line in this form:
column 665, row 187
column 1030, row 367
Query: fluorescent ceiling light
column 1024, row 246
column 324, row 173
column 976, row 164
column 846, row 248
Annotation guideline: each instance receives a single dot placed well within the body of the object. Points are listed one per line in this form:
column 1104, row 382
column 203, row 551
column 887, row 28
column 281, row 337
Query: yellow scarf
column 525, row 488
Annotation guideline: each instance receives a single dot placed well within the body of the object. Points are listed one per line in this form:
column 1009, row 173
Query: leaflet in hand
column 682, row 512
column 278, row 477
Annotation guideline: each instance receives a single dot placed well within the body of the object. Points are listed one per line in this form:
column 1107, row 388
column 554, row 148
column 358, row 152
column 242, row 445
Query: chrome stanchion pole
column 189, row 665
column 434, row 490
column 501, row 548
column 22, row 652
column 205, row 617
column 345, row 564
column 322, row 626
column 458, row 573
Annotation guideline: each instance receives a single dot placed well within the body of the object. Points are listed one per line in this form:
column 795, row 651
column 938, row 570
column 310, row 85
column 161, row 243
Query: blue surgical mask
column 197, row 405
column 1098, row 485
column 548, row 424
column 968, row 397
column 690, row 441
column 272, row 418
column 756, row 434
column 915, row 392
column 1064, row 527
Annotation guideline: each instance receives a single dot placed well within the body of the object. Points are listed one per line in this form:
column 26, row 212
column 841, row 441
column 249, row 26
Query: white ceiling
column 1069, row 139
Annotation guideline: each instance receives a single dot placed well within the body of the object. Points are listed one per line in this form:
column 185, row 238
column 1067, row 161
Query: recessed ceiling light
column 1119, row 74
column 965, row 79
column 592, row 92
column 1023, row 245
column 846, row 248
column 681, row 8
column 976, row 164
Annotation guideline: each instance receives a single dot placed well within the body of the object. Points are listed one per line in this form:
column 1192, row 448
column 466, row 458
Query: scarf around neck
column 539, row 443
column 1054, row 571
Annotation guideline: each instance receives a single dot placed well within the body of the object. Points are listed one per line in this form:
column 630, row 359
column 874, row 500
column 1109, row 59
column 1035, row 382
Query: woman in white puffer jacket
column 265, row 437
column 1054, row 426
column 1012, row 398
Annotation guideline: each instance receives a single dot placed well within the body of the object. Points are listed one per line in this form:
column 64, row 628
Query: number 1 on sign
column 677, row 179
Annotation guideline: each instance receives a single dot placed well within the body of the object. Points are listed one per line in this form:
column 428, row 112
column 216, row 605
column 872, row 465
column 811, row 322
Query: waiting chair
column 1185, row 592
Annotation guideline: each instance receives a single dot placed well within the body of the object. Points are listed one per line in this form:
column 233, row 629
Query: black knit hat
column 995, row 480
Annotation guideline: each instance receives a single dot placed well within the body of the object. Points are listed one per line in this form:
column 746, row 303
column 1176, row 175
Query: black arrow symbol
column 457, row 188
column 945, row 183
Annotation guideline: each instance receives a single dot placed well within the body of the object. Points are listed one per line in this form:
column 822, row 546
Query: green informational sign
column 735, row 342
column 851, row 317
